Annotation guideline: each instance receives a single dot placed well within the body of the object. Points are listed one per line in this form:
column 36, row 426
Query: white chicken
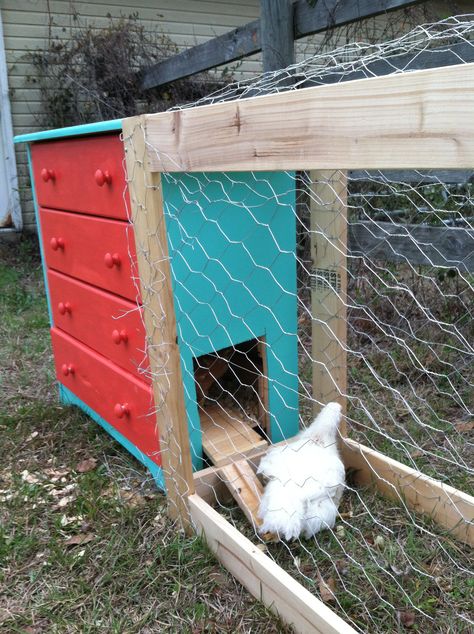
column 306, row 480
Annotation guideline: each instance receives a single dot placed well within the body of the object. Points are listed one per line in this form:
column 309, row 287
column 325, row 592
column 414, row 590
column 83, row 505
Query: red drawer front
column 96, row 250
column 105, row 322
column 84, row 174
column 118, row 397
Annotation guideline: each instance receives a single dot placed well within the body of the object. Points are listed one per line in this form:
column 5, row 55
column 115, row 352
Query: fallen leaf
column 327, row 589
column 132, row 498
column 29, row 477
column 464, row 426
column 342, row 566
column 57, row 473
column 379, row 541
column 33, row 629
column 400, row 571
column 417, row 454
column 65, row 501
column 340, row 531
column 77, row 540
column 89, row 464
column 219, row 578
column 407, row 618
column 59, row 492
column 65, row 521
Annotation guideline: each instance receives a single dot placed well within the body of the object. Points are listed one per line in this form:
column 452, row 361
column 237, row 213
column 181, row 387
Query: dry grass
column 86, row 546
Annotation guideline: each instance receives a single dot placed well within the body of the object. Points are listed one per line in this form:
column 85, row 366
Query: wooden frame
column 160, row 324
column 418, row 120
column 328, row 208
column 262, row 576
column 421, row 119
column 451, row 509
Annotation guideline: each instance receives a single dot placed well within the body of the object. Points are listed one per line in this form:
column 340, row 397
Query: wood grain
column 450, row 508
column 328, row 207
column 160, row 321
column 226, row 436
column 262, row 577
column 416, row 120
column 245, row 40
column 245, row 487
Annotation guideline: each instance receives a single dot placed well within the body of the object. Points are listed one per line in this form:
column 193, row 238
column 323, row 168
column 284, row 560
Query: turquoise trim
column 68, row 398
column 38, row 226
column 76, row 130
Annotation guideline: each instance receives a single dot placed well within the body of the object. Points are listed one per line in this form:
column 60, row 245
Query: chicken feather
column 306, row 480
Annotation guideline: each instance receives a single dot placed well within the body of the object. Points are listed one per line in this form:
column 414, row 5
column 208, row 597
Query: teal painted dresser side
column 232, row 241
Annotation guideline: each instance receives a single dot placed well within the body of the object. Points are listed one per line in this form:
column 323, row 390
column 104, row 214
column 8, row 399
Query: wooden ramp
column 227, row 437
column 229, row 443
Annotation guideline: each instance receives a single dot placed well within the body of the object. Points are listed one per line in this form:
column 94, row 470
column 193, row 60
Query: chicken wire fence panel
column 343, row 294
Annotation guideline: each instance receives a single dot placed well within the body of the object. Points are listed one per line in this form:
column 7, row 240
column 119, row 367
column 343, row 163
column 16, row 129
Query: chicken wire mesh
column 292, row 290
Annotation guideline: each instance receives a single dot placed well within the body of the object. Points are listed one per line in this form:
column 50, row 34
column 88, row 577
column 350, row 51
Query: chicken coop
column 172, row 269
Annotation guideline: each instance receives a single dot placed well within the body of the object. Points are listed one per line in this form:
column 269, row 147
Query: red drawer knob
column 48, row 175
column 64, row 307
column 119, row 336
column 111, row 260
column 102, row 177
column 121, row 410
column 67, row 369
column 56, row 243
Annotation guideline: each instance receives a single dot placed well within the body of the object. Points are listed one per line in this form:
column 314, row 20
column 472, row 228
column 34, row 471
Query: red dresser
column 88, row 246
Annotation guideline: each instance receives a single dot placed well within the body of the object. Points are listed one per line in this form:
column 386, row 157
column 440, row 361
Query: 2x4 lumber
column 328, row 208
column 450, row 508
column 262, row 577
column 226, row 436
column 160, row 321
column 418, row 120
column 246, row 39
column 245, row 487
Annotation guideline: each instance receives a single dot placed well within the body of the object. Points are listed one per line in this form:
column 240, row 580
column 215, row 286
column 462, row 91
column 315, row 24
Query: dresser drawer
column 84, row 174
column 95, row 250
column 109, row 324
column 118, row 397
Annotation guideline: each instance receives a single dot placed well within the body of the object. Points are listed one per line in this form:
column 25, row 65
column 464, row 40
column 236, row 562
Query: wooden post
column 329, row 286
column 160, row 321
column 277, row 34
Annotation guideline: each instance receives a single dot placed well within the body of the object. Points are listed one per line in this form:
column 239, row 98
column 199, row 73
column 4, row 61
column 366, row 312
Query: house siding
column 186, row 22
column 26, row 27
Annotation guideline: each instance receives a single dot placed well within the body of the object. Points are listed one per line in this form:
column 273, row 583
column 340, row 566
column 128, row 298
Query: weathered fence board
column 246, row 40
column 414, row 60
column 418, row 244
column 424, row 177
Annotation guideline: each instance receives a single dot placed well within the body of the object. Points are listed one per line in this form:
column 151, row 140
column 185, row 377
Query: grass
column 389, row 572
column 85, row 544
